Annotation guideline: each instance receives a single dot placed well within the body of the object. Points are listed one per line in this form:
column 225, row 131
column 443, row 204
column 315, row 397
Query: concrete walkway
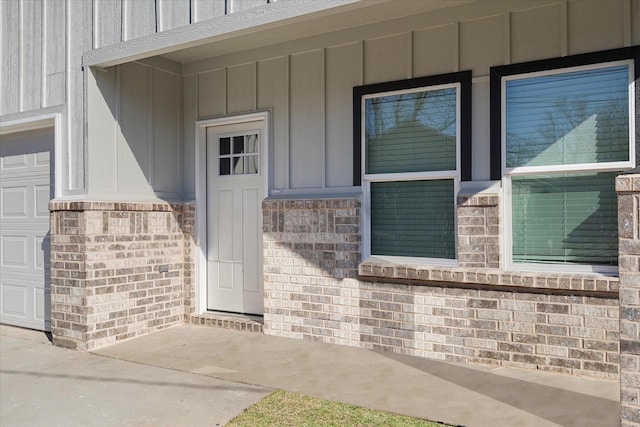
column 43, row 385
column 250, row 364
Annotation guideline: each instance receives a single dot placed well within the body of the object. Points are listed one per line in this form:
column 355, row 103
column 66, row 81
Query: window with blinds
column 566, row 135
column 411, row 171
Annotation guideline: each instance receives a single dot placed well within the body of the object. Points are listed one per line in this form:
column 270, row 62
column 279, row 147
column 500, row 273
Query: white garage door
column 26, row 186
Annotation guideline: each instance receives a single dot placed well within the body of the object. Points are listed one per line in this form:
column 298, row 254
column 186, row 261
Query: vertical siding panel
column 482, row 44
column 189, row 150
column 54, row 52
column 386, row 58
column 79, row 40
column 139, row 18
column 102, row 155
column 173, row 13
column 480, row 129
column 626, row 22
column 165, row 132
column 536, row 34
column 31, row 49
column 10, row 66
column 595, row 26
column 133, row 117
column 344, row 71
column 273, row 92
column 107, row 22
column 178, row 160
column 438, row 42
column 307, row 120
column 635, row 22
column 239, row 5
column 207, row 9
column 211, row 93
column 241, row 88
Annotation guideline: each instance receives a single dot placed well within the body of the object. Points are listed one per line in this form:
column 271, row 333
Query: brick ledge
column 116, row 206
column 220, row 320
column 583, row 282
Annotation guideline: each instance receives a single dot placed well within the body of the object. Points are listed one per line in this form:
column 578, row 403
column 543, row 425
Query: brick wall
column 478, row 219
column 628, row 188
column 311, row 254
column 472, row 313
column 105, row 266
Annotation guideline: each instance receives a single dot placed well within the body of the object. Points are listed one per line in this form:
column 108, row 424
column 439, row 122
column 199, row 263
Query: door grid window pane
column 239, row 155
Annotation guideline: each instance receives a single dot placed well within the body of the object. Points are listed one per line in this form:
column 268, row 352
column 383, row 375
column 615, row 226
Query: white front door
column 236, row 182
column 26, row 186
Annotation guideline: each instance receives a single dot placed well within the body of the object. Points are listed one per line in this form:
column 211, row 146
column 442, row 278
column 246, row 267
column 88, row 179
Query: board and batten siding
column 41, row 48
column 40, row 37
column 307, row 84
column 32, row 73
column 136, row 146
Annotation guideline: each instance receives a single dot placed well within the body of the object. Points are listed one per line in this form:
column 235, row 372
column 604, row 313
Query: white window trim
column 367, row 179
column 508, row 173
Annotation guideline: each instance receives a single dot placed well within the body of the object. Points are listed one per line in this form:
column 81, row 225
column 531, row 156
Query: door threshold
column 232, row 321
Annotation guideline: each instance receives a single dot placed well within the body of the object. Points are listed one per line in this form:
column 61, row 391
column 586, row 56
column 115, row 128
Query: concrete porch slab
column 456, row 394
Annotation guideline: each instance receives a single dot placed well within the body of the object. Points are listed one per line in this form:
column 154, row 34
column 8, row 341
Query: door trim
column 33, row 123
column 201, row 189
column 43, row 121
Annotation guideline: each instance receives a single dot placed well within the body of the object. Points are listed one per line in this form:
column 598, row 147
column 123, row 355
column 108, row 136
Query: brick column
column 628, row 188
column 478, row 230
column 118, row 270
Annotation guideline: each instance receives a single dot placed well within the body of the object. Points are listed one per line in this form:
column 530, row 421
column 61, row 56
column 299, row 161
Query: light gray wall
column 41, row 48
column 308, row 83
column 135, row 131
column 39, row 36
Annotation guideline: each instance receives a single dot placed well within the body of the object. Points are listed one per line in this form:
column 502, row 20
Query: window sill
column 376, row 269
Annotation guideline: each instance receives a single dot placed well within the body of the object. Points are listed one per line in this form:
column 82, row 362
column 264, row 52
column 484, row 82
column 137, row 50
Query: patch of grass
column 296, row 410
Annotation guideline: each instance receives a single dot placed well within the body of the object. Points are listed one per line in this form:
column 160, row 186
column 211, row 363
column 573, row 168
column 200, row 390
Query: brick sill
column 83, row 206
column 375, row 269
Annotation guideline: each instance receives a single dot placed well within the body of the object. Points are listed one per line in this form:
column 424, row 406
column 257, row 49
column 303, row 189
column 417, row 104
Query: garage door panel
column 13, row 162
column 14, row 251
column 42, row 197
column 42, row 250
column 42, row 159
column 26, row 186
column 14, row 300
column 14, row 201
column 41, row 303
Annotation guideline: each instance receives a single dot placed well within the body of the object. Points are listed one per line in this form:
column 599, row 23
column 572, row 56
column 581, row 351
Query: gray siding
column 38, row 37
column 308, row 83
column 136, row 146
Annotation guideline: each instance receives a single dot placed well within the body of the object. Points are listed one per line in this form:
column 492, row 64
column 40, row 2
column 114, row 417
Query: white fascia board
column 269, row 16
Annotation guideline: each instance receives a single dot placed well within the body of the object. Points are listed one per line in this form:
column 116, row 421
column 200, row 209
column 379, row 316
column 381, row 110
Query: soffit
column 367, row 12
column 274, row 23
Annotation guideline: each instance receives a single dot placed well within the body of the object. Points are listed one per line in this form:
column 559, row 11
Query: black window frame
column 496, row 74
column 462, row 77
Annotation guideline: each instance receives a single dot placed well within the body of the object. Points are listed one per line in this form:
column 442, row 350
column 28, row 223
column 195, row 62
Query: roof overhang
column 272, row 23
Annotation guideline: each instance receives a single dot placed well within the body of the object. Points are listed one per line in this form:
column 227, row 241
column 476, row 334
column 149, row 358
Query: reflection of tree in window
column 575, row 118
column 569, row 118
column 411, row 132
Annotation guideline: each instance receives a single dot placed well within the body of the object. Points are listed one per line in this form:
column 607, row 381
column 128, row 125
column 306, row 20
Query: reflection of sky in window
column 568, row 118
column 434, row 109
